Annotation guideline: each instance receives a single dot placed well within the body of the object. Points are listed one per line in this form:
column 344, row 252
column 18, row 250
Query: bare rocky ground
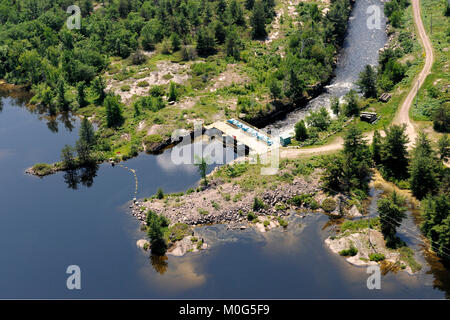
column 165, row 72
column 367, row 241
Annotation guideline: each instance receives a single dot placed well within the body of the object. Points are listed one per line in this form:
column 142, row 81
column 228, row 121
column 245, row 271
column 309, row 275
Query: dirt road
column 402, row 114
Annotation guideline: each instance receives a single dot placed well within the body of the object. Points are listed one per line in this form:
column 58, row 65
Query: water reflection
column 181, row 274
column 159, row 263
column 84, row 175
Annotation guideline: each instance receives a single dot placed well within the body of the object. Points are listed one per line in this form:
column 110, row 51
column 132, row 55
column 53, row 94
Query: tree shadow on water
column 84, row 175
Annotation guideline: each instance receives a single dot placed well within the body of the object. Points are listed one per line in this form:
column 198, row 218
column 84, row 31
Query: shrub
column 178, row 231
column 160, row 193
column 297, row 200
column 156, row 91
column 138, row 58
column 152, row 140
column 143, row 84
column 349, row 252
column 125, row 88
column 215, row 205
column 314, row 205
column 282, row 222
column 251, row 216
column 258, row 204
column 202, row 211
column 42, row 169
column 376, row 257
column 328, row 204
column 266, row 223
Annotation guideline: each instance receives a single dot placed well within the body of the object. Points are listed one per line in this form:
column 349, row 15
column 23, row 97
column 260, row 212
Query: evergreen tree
column 444, row 147
column 301, row 133
column 236, row 12
column 351, row 106
column 220, row 32
column 294, row 87
column 233, row 45
column 376, row 147
column 394, row 154
column 63, row 104
column 249, row 4
column 67, row 157
column 392, row 212
column 367, row 82
column 205, row 42
column 156, row 227
column 87, row 133
column 258, row 21
column 422, row 169
column 441, row 117
column 99, row 86
column 114, row 116
column 335, row 106
column 81, row 94
column 221, row 7
column 83, row 151
column 436, row 223
column 172, row 92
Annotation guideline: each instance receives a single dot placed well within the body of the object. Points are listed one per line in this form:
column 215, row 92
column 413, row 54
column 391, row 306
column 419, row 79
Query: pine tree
column 81, row 94
column 335, row 106
column 172, row 92
column 87, row 133
column 367, row 82
column 258, row 21
column 233, row 45
column 99, row 86
column 392, row 212
column 301, row 133
column 294, row 87
column 114, row 116
column 67, row 157
column 422, row 169
column 444, row 147
column 394, row 154
column 351, row 107
column 376, row 147
column 63, row 104
column 249, row 4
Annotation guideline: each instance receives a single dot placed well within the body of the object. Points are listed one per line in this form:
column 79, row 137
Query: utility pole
column 417, row 92
column 431, row 23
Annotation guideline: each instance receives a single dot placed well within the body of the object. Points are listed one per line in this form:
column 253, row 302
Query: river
column 359, row 49
column 48, row 224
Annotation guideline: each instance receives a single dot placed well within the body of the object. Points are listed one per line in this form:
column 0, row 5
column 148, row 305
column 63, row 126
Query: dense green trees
column 423, row 168
column 394, row 11
column 436, row 224
column 349, row 170
column 441, row 118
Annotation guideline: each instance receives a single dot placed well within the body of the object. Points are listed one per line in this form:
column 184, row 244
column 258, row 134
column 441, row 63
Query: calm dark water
column 360, row 48
column 46, row 226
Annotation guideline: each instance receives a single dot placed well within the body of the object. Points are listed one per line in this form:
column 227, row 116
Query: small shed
column 368, row 116
column 285, row 139
column 385, row 97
